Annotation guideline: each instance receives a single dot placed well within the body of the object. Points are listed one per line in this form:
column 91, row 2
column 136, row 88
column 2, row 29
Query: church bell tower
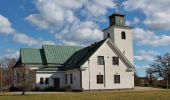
column 120, row 34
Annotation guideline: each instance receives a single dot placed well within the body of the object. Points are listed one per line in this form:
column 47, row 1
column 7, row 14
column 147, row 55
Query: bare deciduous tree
column 7, row 73
column 26, row 78
column 161, row 67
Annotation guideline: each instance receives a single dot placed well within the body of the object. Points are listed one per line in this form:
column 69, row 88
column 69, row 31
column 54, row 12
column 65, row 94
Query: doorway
column 56, row 83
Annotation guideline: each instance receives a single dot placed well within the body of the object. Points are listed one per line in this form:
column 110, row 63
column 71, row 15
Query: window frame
column 115, row 60
column 41, row 80
column 66, row 79
column 123, row 35
column 108, row 35
column 71, row 78
column 100, row 79
column 100, row 60
column 117, row 79
column 46, row 81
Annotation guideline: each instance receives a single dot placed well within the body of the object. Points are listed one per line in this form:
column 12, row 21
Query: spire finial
column 116, row 5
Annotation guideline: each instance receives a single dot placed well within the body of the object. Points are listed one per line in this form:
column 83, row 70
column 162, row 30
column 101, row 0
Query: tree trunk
column 23, row 92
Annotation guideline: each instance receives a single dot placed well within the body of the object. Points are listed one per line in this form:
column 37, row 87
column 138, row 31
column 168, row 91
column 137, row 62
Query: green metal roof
column 67, row 57
column 30, row 56
column 81, row 56
column 59, row 54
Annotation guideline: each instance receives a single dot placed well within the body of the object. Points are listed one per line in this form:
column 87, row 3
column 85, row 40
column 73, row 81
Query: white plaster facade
column 124, row 45
column 51, row 76
column 89, row 81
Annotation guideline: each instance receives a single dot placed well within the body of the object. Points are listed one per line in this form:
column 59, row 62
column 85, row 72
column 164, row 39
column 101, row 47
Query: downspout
column 81, row 80
column 104, row 75
column 89, row 72
column 13, row 81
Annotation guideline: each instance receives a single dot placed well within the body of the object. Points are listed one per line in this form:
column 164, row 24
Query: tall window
column 66, row 79
column 41, row 80
column 18, row 79
column 71, row 78
column 99, row 79
column 115, row 60
column 46, row 80
column 123, row 35
column 108, row 35
column 117, row 79
column 100, row 60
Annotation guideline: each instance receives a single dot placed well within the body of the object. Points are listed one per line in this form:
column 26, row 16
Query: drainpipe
column 89, row 72
column 104, row 74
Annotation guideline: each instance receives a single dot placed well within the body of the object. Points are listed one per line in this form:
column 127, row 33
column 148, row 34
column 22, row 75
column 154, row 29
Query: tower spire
column 116, row 5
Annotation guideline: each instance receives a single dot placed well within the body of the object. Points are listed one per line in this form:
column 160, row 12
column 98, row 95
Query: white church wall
column 51, row 76
column 90, row 83
column 124, row 45
column 76, row 79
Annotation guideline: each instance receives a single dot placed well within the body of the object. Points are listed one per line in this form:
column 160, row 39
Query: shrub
column 37, row 89
column 67, row 88
column 50, row 88
column 12, row 88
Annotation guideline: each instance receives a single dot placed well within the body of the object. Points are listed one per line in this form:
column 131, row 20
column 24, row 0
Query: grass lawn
column 120, row 95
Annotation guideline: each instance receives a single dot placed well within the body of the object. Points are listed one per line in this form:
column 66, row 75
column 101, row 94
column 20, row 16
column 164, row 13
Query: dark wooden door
column 57, row 83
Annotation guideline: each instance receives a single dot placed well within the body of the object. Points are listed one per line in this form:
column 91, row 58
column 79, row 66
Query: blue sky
column 31, row 23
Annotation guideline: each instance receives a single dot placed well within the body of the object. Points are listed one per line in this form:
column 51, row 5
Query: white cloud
column 24, row 39
column 5, row 26
column 133, row 22
column 147, row 56
column 156, row 11
column 150, row 38
column 73, row 22
column 48, row 43
column 98, row 8
column 30, row 41
column 14, row 54
column 9, row 50
column 85, row 32
column 35, row 20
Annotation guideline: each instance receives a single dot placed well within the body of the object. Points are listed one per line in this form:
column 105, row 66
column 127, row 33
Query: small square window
column 100, row 60
column 99, row 79
column 115, row 60
column 41, row 80
column 46, row 80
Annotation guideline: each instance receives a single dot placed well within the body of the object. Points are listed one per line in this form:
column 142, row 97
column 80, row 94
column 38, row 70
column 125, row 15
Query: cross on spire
column 116, row 5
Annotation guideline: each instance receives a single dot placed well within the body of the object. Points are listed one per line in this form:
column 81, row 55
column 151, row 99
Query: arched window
column 123, row 35
column 108, row 35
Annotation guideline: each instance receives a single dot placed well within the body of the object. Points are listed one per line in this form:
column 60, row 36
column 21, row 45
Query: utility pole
column 168, row 79
column 1, row 79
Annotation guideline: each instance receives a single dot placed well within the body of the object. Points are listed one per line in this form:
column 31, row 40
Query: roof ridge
column 31, row 48
column 62, row 46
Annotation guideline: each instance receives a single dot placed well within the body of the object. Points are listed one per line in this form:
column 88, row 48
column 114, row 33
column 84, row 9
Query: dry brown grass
column 120, row 95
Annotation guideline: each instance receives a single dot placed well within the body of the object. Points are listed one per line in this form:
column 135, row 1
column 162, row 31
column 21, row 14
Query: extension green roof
column 59, row 54
column 69, row 57
column 30, row 56
column 81, row 56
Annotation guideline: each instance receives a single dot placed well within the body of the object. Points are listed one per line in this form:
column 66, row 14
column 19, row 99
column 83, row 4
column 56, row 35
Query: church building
column 104, row 65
